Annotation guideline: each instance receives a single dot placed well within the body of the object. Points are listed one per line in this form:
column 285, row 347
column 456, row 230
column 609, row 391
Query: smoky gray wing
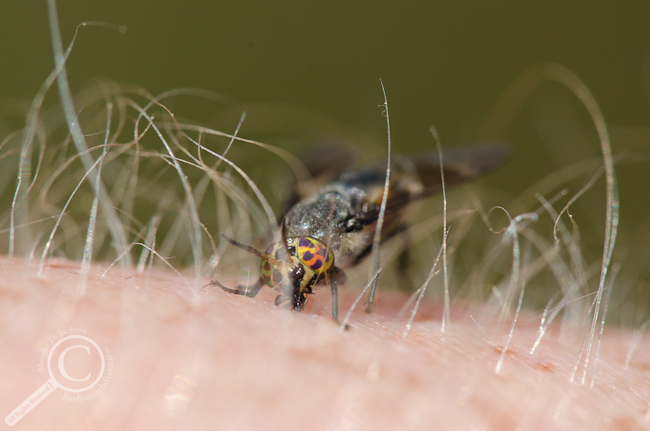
column 416, row 177
column 460, row 165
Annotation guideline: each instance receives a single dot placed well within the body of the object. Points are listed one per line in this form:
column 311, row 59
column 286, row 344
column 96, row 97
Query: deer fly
column 329, row 223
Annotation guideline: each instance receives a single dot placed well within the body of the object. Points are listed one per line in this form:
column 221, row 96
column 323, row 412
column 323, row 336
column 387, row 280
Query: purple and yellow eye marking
column 314, row 254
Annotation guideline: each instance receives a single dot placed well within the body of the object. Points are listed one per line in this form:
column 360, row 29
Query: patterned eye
column 314, row 254
column 273, row 274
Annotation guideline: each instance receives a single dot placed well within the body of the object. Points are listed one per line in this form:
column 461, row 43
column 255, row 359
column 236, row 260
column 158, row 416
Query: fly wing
column 460, row 165
column 325, row 162
column 342, row 213
column 416, row 177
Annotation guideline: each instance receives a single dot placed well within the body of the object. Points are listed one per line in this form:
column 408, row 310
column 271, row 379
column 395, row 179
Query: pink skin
column 211, row 360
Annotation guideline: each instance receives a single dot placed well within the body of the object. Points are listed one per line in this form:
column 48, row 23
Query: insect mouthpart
column 336, row 220
column 291, row 268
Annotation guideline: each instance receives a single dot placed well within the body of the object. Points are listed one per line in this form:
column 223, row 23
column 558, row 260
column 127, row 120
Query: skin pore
column 188, row 357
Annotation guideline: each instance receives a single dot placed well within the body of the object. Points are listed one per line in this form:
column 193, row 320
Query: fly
column 331, row 226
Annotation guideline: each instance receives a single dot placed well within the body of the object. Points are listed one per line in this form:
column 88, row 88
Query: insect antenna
column 251, row 250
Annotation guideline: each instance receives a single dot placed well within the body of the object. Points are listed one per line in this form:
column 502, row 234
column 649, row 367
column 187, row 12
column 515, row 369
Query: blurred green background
column 443, row 64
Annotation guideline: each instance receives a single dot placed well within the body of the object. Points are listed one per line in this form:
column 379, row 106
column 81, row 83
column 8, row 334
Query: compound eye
column 273, row 275
column 314, row 254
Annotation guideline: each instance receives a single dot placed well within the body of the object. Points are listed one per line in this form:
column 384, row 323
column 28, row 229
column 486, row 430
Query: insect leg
column 335, row 300
column 280, row 299
column 251, row 291
column 336, row 276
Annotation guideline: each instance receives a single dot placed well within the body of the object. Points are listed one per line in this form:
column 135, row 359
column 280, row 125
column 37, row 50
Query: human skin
column 189, row 356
